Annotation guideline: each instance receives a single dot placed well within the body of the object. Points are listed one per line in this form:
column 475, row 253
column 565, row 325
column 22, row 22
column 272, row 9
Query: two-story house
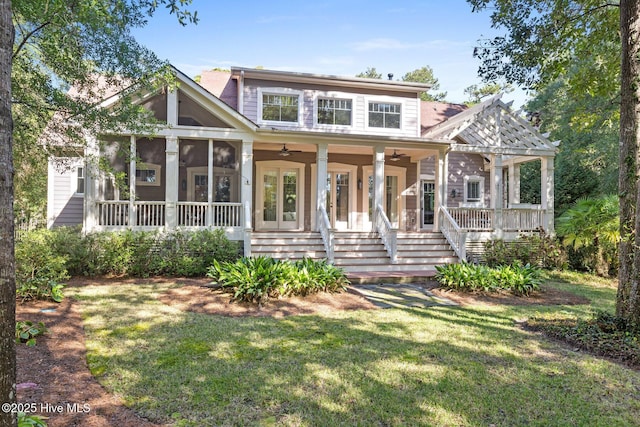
column 359, row 171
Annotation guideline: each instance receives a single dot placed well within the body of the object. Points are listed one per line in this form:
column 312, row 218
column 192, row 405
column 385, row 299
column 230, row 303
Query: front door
column 280, row 189
column 428, row 203
column 338, row 199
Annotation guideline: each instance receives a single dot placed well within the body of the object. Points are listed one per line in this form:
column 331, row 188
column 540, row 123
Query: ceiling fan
column 284, row 152
column 395, row 156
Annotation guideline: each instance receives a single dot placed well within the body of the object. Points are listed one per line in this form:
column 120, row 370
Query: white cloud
column 393, row 44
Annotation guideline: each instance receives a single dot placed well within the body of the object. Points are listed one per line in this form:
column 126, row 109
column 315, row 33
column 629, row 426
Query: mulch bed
column 54, row 373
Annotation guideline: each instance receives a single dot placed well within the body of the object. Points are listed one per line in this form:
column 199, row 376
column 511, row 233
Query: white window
column 79, row 180
column 384, row 115
column 148, row 174
column 474, row 190
column 279, row 106
column 334, row 111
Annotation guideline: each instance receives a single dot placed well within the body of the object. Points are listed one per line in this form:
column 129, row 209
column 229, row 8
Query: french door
column 338, row 199
column 428, row 202
column 279, row 190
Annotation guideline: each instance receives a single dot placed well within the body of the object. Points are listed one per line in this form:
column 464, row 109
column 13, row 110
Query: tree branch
column 28, row 36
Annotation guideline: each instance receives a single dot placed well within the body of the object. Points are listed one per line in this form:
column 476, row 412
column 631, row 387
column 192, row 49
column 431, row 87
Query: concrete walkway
column 400, row 295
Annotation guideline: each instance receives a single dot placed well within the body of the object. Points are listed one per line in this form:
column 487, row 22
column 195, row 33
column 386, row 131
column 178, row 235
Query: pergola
column 506, row 140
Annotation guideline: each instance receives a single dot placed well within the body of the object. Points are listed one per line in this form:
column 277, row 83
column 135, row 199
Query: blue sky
column 338, row 37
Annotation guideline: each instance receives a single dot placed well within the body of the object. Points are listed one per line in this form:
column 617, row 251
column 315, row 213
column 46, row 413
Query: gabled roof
column 226, row 111
column 492, row 125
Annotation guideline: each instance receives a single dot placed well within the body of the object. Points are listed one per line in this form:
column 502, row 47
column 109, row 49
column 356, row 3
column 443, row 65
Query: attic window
column 384, row 115
column 334, row 111
column 280, row 108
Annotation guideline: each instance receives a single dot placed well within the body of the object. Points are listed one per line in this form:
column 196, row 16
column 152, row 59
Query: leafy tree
column 581, row 41
column 476, row 92
column 421, row 75
column 425, row 75
column 588, row 126
column 370, row 73
column 47, row 47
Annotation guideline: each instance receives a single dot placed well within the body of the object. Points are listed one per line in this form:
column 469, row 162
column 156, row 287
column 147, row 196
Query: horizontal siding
column 461, row 165
column 67, row 208
column 410, row 108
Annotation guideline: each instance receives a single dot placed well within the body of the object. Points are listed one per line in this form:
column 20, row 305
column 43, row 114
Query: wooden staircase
column 359, row 252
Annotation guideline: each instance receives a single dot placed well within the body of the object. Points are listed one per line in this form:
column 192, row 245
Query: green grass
column 469, row 366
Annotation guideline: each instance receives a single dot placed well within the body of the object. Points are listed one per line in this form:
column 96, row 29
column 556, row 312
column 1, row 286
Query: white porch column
column 514, row 183
column 441, row 172
column 322, row 158
column 378, row 182
column 246, row 192
column 133, row 158
column 92, row 186
column 547, row 183
column 171, row 184
column 172, row 107
column 210, row 184
column 496, row 192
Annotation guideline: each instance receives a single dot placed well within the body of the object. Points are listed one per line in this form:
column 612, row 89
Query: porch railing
column 150, row 214
column 523, row 219
column 327, row 233
column 118, row 213
column 477, row 219
column 513, row 219
column 201, row 214
column 113, row 213
column 388, row 234
column 455, row 235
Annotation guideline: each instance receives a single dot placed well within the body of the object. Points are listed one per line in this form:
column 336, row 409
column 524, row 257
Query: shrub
column 520, row 280
column 39, row 268
column 130, row 253
column 537, row 249
column 256, row 279
column 27, row 331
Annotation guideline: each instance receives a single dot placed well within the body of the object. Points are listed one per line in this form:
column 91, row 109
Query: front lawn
column 437, row 366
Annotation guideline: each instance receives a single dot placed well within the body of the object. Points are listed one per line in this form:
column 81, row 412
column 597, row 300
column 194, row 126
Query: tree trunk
column 7, row 256
column 628, row 298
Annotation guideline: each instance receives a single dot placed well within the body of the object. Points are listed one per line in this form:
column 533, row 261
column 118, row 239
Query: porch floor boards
column 361, row 254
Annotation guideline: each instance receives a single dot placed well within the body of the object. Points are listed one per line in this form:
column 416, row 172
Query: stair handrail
column 455, row 235
column 327, row 233
column 388, row 234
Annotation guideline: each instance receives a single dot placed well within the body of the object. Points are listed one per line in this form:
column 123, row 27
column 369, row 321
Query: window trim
column 384, row 100
column 279, row 91
column 149, row 166
column 336, row 97
column 474, row 202
column 76, row 177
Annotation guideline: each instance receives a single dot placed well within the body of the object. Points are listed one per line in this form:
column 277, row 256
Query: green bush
column 257, row 279
column 43, row 257
column 519, row 279
column 39, row 268
column 537, row 249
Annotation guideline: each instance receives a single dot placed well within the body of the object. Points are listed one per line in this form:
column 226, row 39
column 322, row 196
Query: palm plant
column 592, row 225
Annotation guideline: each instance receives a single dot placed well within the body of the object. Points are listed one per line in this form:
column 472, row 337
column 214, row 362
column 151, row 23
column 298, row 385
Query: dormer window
column 384, row 115
column 333, row 111
column 280, row 107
